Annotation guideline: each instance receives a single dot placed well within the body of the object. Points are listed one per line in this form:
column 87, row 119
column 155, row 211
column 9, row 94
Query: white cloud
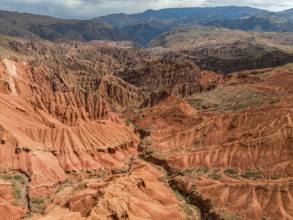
column 271, row 5
column 95, row 8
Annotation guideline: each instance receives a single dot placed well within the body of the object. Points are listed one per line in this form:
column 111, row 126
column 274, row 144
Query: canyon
column 198, row 124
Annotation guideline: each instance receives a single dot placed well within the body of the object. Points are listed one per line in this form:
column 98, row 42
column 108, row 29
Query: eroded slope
column 227, row 161
column 60, row 124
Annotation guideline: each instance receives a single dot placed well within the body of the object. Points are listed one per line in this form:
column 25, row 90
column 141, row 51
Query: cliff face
column 240, row 56
column 225, row 51
column 179, row 77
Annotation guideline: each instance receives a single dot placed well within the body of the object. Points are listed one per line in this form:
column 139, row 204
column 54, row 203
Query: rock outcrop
column 178, row 76
column 137, row 195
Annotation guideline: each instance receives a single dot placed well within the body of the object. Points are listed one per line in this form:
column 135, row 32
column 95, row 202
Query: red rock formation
column 137, row 195
column 53, row 124
column 62, row 128
column 53, row 130
column 255, row 143
column 178, row 76
column 8, row 210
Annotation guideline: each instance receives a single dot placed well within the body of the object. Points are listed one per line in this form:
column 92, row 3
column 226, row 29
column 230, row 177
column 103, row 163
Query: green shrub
column 215, row 176
column 15, row 202
column 26, row 216
column 231, row 172
column 187, row 210
column 16, row 192
column 10, row 177
column 188, row 200
column 127, row 122
column 17, row 180
column 63, row 186
column 189, row 171
column 204, row 169
column 161, row 179
column 37, row 204
column 137, row 127
column 275, row 177
column 196, row 142
column 252, row 174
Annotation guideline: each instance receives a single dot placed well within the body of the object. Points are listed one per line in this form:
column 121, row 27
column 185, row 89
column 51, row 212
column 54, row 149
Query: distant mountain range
column 151, row 23
column 143, row 27
column 267, row 23
column 49, row 28
column 181, row 16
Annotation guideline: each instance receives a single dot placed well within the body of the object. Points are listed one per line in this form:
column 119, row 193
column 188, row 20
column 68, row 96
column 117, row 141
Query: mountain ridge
column 142, row 27
column 50, row 28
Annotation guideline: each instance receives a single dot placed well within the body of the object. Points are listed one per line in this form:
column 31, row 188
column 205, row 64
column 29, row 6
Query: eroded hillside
column 103, row 130
column 61, row 127
column 233, row 155
column 225, row 51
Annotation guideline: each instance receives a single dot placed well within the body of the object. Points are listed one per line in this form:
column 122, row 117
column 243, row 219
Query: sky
column 85, row 9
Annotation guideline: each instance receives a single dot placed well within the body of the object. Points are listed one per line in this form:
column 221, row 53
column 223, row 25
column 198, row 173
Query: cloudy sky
column 83, row 9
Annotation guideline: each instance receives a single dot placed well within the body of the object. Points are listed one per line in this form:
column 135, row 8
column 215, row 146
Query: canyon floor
column 104, row 130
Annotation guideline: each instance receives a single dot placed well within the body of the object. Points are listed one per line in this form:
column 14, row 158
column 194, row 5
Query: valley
column 194, row 122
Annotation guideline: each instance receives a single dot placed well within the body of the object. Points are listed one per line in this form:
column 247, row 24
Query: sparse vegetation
column 215, row 175
column 289, row 66
column 63, row 186
column 13, row 176
column 275, row 177
column 37, row 204
column 15, row 202
column 26, row 216
column 199, row 176
column 16, row 192
column 227, row 98
column 127, row 122
column 137, row 127
column 252, row 174
column 146, row 141
column 83, row 143
column 160, row 155
column 161, row 179
column 204, row 169
column 260, row 187
column 196, row 143
column 189, row 171
column 151, row 128
column 17, row 180
column 187, row 210
column 232, row 173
